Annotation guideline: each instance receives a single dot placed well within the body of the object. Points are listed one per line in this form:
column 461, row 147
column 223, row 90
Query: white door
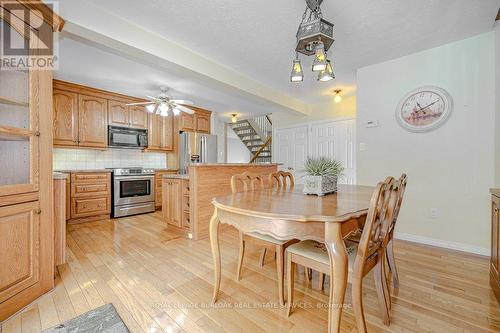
column 291, row 149
column 336, row 139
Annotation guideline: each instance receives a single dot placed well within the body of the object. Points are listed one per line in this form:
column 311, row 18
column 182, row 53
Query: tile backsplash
column 82, row 159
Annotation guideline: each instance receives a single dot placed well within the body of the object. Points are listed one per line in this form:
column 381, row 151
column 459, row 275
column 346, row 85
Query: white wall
column 329, row 111
column 236, row 150
column 450, row 168
column 497, row 105
column 85, row 159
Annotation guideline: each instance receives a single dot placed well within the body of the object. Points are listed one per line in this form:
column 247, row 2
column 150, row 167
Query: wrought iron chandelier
column 314, row 37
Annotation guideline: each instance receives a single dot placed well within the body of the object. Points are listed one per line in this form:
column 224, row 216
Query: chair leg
column 385, row 287
column 290, row 280
column 357, row 303
column 392, row 266
column 379, row 277
column 280, row 253
column 262, row 256
column 240, row 255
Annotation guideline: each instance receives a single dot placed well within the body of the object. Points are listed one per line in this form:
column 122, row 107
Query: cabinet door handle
column 496, row 209
column 38, row 211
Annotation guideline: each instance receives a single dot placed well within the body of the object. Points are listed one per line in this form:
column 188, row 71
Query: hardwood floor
column 161, row 282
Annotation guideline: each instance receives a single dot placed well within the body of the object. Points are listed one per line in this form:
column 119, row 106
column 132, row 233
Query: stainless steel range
column 133, row 191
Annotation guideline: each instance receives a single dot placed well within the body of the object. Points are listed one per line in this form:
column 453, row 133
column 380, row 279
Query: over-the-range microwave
column 124, row 137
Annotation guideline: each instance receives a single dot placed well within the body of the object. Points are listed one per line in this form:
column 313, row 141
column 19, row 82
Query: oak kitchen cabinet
column 90, row 196
column 92, row 121
column 158, row 185
column 176, row 204
column 26, row 197
column 82, row 115
column 197, row 122
column 121, row 114
column 160, row 133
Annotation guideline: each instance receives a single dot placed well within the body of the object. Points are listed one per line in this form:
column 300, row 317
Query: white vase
column 320, row 185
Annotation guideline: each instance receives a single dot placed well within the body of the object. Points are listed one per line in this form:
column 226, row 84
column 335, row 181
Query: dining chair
column 390, row 245
column 364, row 256
column 281, row 179
column 249, row 183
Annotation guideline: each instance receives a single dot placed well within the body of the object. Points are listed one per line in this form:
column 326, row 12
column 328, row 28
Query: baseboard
column 444, row 244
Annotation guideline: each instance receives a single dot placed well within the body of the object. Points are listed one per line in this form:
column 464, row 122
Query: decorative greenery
column 323, row 166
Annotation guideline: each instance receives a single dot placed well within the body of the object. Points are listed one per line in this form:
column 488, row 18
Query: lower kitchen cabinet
column 90, row 196
column 175, row 205
column 158, row 185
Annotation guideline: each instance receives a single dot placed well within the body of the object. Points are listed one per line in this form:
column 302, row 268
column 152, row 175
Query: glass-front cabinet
column 19, row 130
column 26, row 204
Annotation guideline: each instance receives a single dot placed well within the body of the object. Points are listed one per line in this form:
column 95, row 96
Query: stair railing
column 266, row 144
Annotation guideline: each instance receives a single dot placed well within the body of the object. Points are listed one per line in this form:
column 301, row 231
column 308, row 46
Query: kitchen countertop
column 59, row 175
column 176, row 176
column 231, row 164
column 495, row 191
column 81, row 171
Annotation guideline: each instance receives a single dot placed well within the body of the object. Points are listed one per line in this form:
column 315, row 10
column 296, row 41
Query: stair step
column 239, row 128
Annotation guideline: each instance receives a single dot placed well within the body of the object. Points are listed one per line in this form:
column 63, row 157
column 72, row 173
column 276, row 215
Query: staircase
column 256, row 135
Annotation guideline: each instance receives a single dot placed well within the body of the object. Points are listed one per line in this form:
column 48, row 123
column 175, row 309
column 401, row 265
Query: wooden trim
column 89, row 219
column 85, row 90
column 8, row 200
column 43, row 11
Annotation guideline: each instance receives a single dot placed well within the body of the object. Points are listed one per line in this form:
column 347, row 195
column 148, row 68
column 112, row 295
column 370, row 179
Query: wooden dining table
column 286, row 214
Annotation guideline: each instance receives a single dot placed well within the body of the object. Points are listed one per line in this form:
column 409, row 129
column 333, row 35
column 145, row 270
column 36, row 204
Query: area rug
column 103, row 319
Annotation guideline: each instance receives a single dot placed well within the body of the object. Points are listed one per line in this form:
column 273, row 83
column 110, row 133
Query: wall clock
column 424, row 109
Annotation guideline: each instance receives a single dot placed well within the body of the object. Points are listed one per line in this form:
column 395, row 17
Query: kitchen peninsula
column 187, row 198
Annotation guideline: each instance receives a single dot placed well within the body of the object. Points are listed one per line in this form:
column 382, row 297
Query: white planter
column 320, row 185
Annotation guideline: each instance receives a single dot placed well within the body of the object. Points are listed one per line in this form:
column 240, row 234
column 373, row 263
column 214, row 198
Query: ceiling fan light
column 151, row 108
column 163, row 108
column 234, row 118
column 176, row 111
column 326, row 74
column 320, row 60
column 297, row 74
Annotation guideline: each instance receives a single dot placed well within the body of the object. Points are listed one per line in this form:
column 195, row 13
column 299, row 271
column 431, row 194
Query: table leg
column 338, row 274
column 214, row 242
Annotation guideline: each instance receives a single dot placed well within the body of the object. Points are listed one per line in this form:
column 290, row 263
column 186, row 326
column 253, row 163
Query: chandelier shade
column 297, row 74
column 327, row 73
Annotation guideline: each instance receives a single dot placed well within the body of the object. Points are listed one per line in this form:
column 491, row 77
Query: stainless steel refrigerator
column 196, row 148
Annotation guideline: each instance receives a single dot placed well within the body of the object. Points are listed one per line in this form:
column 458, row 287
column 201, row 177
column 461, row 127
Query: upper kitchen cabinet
column 65, row 118
column 202, row 122
column 197, row 122
column 82, row 115
column 92, row 121
column 119, row 114
column 138, row 117
column 160, row 133
column 26, row 197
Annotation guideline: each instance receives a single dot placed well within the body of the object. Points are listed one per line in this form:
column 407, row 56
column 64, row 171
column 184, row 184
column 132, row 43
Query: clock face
column 424, row 109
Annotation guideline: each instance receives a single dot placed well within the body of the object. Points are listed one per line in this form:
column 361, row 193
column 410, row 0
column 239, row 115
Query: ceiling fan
column 163, row 104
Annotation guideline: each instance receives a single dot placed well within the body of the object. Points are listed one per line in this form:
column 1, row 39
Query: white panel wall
column 450, row 170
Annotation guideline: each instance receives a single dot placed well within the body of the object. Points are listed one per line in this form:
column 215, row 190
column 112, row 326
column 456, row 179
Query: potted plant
column 322, row 175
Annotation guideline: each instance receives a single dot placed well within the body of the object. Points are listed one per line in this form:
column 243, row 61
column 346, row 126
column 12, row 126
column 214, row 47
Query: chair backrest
column 378, row 221
column 249, row 182
column 402, row 187
column 281, row 179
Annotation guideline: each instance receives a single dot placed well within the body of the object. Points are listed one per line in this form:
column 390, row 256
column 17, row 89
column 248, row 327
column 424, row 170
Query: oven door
column 133, row 189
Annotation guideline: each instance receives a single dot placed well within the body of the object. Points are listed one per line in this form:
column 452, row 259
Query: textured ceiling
column 256, row 38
